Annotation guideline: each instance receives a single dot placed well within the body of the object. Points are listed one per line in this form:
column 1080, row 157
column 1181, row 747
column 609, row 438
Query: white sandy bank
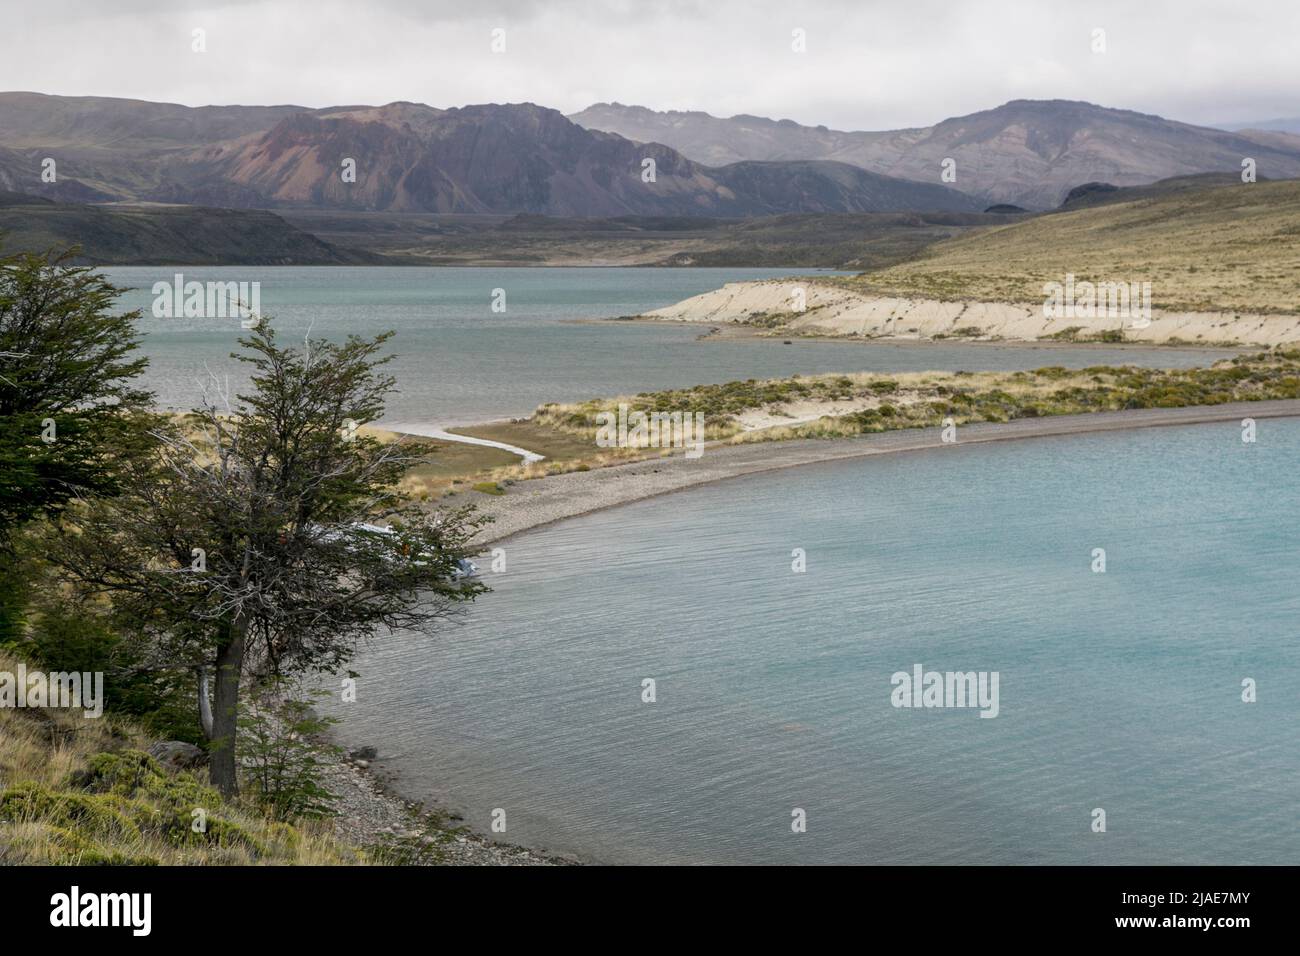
column 831, row 310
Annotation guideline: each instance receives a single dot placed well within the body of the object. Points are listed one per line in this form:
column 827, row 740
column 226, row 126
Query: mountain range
column 140, row 181
column 523, row 158
column 517, row 158
column 1029, row 153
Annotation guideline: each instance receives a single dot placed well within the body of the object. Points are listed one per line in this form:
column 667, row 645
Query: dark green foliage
column 70, row 417
column 281, row 492
column 283, row 754
column 66, row 371
column 67, row 634
column 13, row 596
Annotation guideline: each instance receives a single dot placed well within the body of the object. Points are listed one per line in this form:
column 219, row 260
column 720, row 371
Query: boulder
column 178, row 755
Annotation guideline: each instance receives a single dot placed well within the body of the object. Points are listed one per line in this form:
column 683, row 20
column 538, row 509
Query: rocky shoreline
column 370, row 815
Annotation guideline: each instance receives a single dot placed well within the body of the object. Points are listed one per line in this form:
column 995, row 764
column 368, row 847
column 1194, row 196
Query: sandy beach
column 833, row 310
column 534, row 503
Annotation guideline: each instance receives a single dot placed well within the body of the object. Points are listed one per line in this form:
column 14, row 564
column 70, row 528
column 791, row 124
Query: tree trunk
column 205, row 703
column 225, row 711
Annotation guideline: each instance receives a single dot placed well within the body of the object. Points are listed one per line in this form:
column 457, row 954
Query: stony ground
column 370, row 816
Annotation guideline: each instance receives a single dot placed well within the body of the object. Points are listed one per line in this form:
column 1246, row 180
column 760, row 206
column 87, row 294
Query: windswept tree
column 268, row 536
column 71, row 416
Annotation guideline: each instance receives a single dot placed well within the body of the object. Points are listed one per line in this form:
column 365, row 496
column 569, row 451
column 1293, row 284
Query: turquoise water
column 457, row 361
column 1119, row 691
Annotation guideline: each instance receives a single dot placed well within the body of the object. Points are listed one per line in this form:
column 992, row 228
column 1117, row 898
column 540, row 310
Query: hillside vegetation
column 149, row 234
column 82, row 792
column 850, row 241
column 1227, row 249
column 844, row 405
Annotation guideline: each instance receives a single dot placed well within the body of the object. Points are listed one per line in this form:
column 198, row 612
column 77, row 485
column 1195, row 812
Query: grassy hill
column 1106, row 194
column 75, row 791
column 1232, row 248
column 157, row 234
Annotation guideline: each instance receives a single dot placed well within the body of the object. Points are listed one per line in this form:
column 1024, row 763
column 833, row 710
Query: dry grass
column 866, row 402
column 1226, row 249
column 454, row 469
column 724, row 404
column 78, row 791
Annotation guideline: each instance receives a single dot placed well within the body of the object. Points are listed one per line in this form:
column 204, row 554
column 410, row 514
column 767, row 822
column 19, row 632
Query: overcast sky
column 867, row 65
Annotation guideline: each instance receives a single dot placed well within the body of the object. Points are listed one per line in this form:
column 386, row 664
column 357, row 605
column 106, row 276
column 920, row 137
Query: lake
column 456, row 361
column 1119, row 691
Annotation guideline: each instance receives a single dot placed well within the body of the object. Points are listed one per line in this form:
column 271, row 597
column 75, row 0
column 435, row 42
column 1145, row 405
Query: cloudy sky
column 867, row 65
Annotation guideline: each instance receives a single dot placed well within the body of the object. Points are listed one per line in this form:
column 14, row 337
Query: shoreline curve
column 537, row 503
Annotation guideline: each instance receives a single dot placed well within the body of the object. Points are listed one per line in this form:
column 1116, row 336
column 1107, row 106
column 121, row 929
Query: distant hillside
column 171, row 235
column 1225, row 248
column 828, row 240
column 22, row 174
column 507, row 159
column 409, row 157
column 108, row 148
column 1276, row 138
column 1027, row 152
column 1105, row 194
column 1285, row 125
column 716, row 141
column 35, row 119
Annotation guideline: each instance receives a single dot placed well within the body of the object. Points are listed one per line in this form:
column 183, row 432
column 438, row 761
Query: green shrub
column 283, row 755
column 67, row 635
column 93, row 815
column 68, row 847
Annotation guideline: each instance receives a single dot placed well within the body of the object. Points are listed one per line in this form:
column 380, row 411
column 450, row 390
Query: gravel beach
column 542, row 501
column 370, row 815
